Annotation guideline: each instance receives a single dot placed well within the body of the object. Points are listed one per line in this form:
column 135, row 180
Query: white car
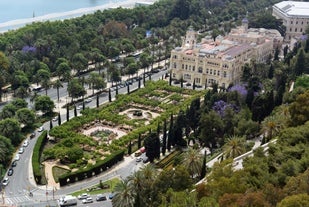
column 55, row 118
column 87, row 200
column 21, row 150
column 79, row 107
column 17, row 157
column 26, row 143
column 88, row 100
column 138, row 159
column 41, row 129
column 5, row 181
column 83, row 196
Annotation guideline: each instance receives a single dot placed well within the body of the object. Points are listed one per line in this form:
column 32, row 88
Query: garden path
column 49, row 173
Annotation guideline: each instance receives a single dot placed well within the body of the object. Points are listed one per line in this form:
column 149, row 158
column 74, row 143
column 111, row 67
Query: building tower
column 190, row 40
column 245, row 24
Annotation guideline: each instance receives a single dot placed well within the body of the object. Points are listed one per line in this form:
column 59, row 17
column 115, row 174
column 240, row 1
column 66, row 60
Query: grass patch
column 96, row 188
column 58, row 171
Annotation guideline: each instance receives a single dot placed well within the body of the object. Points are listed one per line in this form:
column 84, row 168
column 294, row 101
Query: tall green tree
column 75, row 89
column 44, row 104
column 152, row 146
column 10, row 128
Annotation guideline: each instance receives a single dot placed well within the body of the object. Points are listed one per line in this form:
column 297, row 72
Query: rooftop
column 294, row 8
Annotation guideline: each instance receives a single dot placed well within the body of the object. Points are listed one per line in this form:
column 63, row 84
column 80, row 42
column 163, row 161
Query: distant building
column 221, row 60
column 294, row 16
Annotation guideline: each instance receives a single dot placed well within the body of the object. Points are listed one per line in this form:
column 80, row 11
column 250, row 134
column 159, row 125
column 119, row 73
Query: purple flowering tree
column 28, row 49
column 220, row 107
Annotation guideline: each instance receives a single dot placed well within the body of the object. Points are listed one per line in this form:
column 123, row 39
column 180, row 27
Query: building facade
column 221, row 60
column 294, row 16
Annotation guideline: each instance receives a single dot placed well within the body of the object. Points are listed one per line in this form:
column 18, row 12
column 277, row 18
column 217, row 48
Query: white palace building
column 221, row 60
column 294, row 16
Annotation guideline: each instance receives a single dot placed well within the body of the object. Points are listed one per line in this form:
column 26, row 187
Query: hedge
column 93, row 170
column 36, row 156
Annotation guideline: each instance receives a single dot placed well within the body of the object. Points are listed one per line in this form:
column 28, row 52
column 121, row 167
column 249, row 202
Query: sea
column 17, row 13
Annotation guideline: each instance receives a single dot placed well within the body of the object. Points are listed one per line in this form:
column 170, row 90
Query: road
column 22, row 182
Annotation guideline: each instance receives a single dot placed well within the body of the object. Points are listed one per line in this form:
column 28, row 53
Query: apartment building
column 294, row 16
column 221, row 60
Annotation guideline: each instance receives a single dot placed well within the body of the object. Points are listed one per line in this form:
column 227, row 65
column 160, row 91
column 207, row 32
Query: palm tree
column 124, row 196
column 234, row 147
column 137, row 185
column 271, row 126
column 57, row 84
column 193, row 160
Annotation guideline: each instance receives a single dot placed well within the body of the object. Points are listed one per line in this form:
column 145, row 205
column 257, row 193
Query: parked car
column 83, row 196
column 101, row 197
column 88, row 100
column 55, row 118
column 138, row 159
column 5, row 181
column 79, row 107
column 145, row 160
column 32, row 135
column 17, row 157
column 26, row 143
column 87, row 200
column 14, row 163
column 10, row 172
column 41, row 129
column 111, row 196
column 21, row 150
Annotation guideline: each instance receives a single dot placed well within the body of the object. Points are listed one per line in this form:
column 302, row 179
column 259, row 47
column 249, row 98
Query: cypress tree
column 203, row 171
column 144, row 79
column 193, row 86
column 139, row 142
column 68, row 113
column 128, row 88
column 75, row 111
column 139, row 83
column 116, row 90
column 109, row 95
column 181, row 82
column 59, row 119
column 50, row 124
column 84, row 106
column 170, row 79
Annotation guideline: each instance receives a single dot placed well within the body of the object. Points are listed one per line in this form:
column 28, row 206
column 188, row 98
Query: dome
column 245, row 21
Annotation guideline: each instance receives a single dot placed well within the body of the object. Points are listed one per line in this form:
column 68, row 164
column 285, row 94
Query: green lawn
column 95, row 189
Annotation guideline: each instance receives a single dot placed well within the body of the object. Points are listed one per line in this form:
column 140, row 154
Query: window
column 295, row 29
column 218, row 72
column 296, row 22
column 224, row 74
column 210, row 71
column 215, row 72
column 193, row 68
column 186, row 67
column 175, row 65
column 207, row 71
column 291, row 22
column 190, row 67
column 187, row 76
column 200, row 70
column 182, row 66
column 301, row 29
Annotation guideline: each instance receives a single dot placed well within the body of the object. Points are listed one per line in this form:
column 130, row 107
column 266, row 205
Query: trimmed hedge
column 93, row 170
column 36, row 156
